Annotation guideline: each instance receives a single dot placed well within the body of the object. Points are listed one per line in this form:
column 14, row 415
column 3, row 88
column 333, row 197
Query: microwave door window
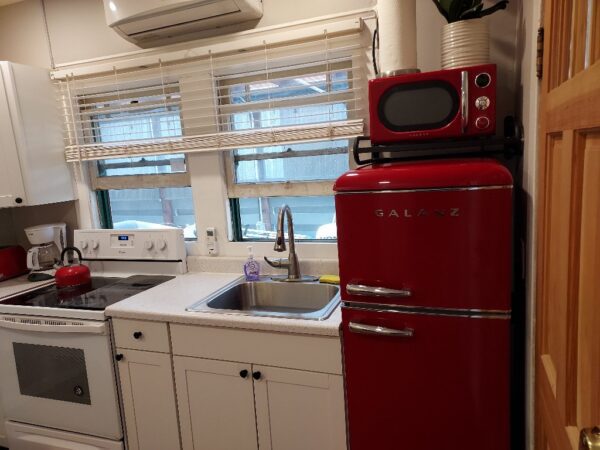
column 418, row 106
column 56, row 373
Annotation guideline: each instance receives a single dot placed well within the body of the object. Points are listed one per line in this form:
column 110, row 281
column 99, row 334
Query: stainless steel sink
column 312, row 301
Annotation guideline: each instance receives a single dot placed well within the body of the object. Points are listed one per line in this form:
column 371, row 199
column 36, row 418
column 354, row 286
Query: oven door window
column 427, row 105
column 56, row 373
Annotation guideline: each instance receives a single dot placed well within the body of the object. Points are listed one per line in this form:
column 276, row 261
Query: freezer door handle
column 376, row 291
column 380, row 331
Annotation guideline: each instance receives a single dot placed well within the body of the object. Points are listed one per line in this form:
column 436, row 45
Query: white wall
column 77, row 31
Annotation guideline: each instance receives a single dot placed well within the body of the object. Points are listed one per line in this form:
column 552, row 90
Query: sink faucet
column 291, row 262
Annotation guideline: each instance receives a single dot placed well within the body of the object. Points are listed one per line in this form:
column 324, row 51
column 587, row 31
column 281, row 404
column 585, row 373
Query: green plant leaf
column 440, row 8
column 455, row 9
column 473, row 10
column 492, row 9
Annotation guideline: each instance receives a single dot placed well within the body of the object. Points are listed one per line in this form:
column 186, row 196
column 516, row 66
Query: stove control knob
column 482, row 123
column 149, row 245
column 161, row 244
column 95, row 245
column 83, row 245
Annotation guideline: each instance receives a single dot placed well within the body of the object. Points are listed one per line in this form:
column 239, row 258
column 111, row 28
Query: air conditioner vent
column 157, row 22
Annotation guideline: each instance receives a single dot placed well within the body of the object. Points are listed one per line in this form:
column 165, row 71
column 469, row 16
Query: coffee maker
column 48, row 242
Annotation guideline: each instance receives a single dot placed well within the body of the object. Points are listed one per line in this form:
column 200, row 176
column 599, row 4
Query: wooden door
column 216, row 404
column 149, row 402
column 568, row 252
column 298, row 410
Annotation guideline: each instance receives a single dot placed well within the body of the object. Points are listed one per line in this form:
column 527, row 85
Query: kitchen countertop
column 20, row 285
column 167, row 303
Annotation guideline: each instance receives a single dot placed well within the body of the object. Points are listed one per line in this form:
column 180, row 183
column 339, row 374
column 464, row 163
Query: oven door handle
column 52, row 326
column 464, row 100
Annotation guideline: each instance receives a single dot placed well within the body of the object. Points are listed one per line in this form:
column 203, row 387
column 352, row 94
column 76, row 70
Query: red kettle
column 72, row 274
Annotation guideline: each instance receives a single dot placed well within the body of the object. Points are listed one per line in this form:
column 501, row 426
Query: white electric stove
column 59, row 388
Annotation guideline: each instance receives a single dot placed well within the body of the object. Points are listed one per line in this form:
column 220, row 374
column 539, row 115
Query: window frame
column 101, row 184
column 282, row 188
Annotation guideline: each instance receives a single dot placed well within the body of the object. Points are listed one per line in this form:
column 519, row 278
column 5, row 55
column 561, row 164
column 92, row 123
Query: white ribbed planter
column 465, row 43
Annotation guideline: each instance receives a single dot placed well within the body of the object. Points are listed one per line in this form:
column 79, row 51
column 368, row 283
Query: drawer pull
column 380, row 331
column 256, row 375
column 243, row 373
column 119, row 356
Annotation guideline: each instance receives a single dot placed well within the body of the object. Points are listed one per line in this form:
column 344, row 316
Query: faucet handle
column 278, row 263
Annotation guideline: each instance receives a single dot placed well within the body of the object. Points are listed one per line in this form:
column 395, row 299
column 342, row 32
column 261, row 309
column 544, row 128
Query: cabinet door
column 148, row 400
column 3, row 441
column 216, row 404
column 298, row 410
column 11, row 183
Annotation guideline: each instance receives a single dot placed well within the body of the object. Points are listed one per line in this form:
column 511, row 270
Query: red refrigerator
column 425, row 269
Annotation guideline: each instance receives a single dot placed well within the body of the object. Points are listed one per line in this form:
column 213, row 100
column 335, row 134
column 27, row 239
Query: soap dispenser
column 251, row 267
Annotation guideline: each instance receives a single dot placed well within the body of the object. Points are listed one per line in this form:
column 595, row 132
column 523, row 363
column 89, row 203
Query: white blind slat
column 289, row 93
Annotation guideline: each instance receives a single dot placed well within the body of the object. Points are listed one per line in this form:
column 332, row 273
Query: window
column 279, row 111
column 151, row 191
column 262, row 179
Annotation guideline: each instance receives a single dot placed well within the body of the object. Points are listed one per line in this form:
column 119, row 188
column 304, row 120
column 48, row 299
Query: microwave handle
column 464, row 100
column 84, row 328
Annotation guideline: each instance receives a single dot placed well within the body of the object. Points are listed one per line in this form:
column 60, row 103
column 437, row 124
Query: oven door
column 59, row 373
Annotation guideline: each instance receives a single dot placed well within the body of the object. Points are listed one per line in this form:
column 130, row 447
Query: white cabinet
column 3, row 441
column 298, row 410
column 216, row 404
column 149, row 404
column 33, row 170
column 223, row 404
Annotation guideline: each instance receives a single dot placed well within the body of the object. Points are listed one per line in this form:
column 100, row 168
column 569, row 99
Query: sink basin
column 312, row 301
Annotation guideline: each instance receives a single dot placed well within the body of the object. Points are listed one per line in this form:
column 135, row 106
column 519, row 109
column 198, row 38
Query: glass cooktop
column 102, row 292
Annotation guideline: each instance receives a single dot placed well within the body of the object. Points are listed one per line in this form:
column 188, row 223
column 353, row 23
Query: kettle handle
column 33, row 258
column 70, row 249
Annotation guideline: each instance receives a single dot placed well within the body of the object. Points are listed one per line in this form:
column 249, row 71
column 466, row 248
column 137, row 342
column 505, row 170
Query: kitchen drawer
column 141, row 335
column 294, row 351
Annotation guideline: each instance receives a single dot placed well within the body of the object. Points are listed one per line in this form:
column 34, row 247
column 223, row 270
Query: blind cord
column 52, row 65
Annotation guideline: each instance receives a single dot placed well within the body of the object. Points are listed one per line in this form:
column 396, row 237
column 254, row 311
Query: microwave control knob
column 482, row 123
column 149, row 245
column 482, row 103
column 483, row 80
column 161, row 244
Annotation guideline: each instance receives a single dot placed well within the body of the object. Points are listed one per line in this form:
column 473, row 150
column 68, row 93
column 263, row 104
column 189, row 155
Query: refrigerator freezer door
column 438, row 382
column 431, row 248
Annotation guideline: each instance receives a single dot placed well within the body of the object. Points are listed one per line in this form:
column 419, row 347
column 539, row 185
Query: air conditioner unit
column 148, row 23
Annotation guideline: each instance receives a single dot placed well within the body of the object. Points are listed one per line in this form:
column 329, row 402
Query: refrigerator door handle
column 380, row 331
column 376, row 291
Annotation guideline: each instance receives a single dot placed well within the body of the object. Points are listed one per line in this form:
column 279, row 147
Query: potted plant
column 465, row 39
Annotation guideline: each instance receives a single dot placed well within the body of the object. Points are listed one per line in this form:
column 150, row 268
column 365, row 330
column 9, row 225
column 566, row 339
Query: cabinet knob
column 137, row 334
column 119, row 356
column 256, row 375
column 18, row 200
column 243, row 373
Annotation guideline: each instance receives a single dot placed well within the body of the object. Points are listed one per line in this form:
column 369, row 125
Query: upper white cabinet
column 33, row 170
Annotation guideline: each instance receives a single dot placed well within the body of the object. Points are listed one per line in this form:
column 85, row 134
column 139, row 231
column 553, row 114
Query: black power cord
column 374, row 53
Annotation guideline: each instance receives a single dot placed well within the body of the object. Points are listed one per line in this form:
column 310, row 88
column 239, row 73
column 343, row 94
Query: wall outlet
column 211, row 241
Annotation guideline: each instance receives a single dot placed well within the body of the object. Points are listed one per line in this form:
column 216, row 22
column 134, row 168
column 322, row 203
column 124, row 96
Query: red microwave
column 453, row 103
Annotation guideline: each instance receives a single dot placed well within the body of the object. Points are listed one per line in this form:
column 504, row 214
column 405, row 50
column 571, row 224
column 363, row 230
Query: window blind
column 272, row 94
